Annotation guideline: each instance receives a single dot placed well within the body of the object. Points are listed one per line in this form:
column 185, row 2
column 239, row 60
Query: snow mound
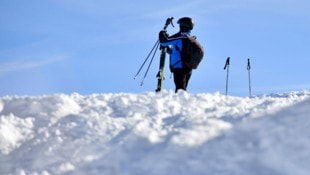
column 149, row 133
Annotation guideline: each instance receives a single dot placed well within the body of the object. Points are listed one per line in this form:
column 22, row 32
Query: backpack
column 192, row 52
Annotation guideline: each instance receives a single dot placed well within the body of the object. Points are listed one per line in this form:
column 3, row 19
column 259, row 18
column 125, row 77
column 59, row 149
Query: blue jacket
column 175, row 42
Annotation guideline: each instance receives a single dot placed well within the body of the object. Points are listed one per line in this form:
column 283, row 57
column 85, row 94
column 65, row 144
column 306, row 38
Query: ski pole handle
column 249, row 64
column 227, row 62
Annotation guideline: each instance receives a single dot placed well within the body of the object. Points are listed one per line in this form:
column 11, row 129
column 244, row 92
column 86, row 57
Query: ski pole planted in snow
column 226, row 67
column 249, row 74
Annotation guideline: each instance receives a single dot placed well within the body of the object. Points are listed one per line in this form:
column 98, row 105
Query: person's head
column 186, row 24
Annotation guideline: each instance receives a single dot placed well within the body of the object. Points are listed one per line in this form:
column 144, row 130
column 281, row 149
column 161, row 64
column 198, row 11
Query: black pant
column 181, row 78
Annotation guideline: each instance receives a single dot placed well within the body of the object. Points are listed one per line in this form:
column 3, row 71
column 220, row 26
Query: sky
column 93, row 46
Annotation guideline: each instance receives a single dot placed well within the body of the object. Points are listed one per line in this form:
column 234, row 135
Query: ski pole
column 227, row 67
column 249, row 74
column 155, row 45
column 147, row 70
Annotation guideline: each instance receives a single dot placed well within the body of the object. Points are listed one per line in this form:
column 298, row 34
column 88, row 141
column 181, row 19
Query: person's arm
column 166, row 41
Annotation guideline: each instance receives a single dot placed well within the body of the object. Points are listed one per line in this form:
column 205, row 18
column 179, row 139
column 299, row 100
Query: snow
column 149, row 133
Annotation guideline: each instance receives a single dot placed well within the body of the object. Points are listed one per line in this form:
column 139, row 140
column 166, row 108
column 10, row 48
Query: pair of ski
column 160, row 75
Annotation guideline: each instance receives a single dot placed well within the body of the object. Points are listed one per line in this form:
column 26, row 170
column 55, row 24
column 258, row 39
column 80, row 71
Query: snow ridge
column 149, row 133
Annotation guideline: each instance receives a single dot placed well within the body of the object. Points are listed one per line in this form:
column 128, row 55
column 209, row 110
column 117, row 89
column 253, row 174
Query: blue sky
column 94, row 46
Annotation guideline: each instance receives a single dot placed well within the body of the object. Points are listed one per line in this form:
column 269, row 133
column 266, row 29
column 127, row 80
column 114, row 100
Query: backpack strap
column 185, row 36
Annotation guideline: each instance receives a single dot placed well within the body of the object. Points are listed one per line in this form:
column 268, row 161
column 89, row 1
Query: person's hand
column 163, row 36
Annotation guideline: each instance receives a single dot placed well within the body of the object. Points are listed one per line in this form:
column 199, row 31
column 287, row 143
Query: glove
column 163, row 36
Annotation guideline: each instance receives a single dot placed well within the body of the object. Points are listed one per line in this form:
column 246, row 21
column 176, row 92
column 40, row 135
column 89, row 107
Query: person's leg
column 181, row 79
column 178, row 80
column 187, row 77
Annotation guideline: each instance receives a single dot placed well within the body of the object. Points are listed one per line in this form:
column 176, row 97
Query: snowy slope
column 155, row 134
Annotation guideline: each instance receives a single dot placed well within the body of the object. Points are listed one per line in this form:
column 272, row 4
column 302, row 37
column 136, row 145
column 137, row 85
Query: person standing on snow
column 181, row 72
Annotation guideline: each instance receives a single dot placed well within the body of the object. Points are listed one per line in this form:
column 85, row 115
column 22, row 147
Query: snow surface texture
column 155, row 134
